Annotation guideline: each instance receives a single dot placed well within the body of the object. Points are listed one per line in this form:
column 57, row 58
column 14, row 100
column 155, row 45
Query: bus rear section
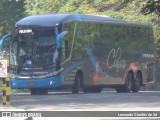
column 114, row 54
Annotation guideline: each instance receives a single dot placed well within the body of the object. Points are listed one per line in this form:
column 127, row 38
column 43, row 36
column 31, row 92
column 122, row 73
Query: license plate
column 31, row 83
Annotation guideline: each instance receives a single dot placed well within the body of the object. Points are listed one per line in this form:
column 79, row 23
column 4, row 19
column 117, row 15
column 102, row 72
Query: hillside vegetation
column 128, row 10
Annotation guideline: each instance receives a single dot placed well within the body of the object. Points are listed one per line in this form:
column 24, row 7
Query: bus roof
column 52, row 20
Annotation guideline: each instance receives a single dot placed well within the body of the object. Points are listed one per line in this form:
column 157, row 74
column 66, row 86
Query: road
column 105, row 101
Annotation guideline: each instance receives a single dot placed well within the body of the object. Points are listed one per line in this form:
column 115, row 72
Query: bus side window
column 68, row 40
column 66, row 49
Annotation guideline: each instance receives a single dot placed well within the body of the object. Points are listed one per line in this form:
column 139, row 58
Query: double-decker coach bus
column 78, row 51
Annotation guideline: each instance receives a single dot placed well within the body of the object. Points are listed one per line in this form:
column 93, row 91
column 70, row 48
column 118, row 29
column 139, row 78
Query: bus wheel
column 78, row 83
column 136, row 84
column 128, row 85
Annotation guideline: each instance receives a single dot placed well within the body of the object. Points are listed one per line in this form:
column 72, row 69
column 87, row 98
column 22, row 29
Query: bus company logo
column 6, row 114
column 114, row 59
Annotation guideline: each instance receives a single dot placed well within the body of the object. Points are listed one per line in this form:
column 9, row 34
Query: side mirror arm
column 4, row 38
column 59, row 39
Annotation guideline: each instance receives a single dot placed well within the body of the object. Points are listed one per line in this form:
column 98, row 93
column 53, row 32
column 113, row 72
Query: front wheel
column 78, row 84
column 136, row 84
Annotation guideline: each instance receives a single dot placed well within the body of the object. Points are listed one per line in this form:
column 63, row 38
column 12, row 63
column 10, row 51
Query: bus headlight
column 52, row 82
column 13, row 84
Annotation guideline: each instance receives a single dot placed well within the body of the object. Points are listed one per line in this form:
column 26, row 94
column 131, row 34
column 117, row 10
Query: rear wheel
column 128, row 85
column 136, row 84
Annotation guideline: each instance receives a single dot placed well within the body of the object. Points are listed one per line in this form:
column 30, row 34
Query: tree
column 151, row 6
column 40, row 7
column 10, row 11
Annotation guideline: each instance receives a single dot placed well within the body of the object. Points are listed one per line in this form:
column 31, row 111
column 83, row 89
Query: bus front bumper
column 48, row 82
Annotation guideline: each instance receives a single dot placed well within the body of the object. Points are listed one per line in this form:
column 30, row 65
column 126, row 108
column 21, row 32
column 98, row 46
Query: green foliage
column 40, row 7
column 115, row 8
column 10, row 11
column 151, row 6
column 128, row 10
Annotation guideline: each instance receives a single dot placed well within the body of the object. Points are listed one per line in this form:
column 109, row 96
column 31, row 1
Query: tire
column 78, row 83
column 39, row 91
column 136, row 84
column 128, row 85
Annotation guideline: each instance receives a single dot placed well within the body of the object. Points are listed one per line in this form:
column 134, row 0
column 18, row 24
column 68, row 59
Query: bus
column 82, row 52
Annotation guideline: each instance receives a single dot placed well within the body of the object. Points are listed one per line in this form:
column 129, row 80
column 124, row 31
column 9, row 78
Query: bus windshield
column 33, row 48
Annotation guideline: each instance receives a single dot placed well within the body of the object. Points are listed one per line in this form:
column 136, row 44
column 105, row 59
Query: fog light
column 52, row 82
column 14, row 84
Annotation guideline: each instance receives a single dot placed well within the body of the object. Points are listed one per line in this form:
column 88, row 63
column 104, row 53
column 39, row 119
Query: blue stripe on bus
column 77, row 17
column 39, row 83
column 94, row 62
column 91, row 56
column 71, row 68
column 59, row 39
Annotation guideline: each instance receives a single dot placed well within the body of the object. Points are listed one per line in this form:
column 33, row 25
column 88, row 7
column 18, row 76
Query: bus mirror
column 4, row 38
column 59, row 39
